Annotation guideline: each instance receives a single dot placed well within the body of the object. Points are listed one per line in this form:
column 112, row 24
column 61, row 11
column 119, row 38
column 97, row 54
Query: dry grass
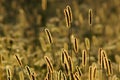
column 49, row 40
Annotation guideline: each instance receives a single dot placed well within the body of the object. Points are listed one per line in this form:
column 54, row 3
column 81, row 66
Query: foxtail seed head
column 68, row 15
column 49, row 36
column 49, row 64
column 84, row 58
column 90, row 16
column 69, row 12
column 76, row 45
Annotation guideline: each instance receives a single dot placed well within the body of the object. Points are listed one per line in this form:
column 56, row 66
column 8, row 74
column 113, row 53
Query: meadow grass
column 74, row 48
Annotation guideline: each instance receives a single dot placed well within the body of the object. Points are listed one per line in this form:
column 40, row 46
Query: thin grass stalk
column 90, row 17
column 69, row 41
column 43, row 45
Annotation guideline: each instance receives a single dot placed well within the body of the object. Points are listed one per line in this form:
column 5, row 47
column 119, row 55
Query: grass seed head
column 49, row 36
column 67, row 18
column 84, row 58
column 90, row 19
column 69, row 12
column 49, row 64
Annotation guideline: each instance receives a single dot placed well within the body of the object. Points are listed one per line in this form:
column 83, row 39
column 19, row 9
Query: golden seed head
column 67, row 18
column 69, row 12
column 49, row 64
column 90, row 16
column 75, row 45
column 68, row 15
column 49, row 36
column 84, row 58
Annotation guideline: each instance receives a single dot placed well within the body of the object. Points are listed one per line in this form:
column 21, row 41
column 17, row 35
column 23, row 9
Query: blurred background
column 22, row 24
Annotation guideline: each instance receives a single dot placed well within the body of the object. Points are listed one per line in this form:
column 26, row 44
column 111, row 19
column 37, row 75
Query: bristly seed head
column 84, row 58
column 49, row 36
column 90, row 17
column 68, row 15
column 49, row 64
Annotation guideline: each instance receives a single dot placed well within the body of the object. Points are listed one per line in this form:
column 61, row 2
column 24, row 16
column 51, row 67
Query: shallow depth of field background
column 22, row 24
